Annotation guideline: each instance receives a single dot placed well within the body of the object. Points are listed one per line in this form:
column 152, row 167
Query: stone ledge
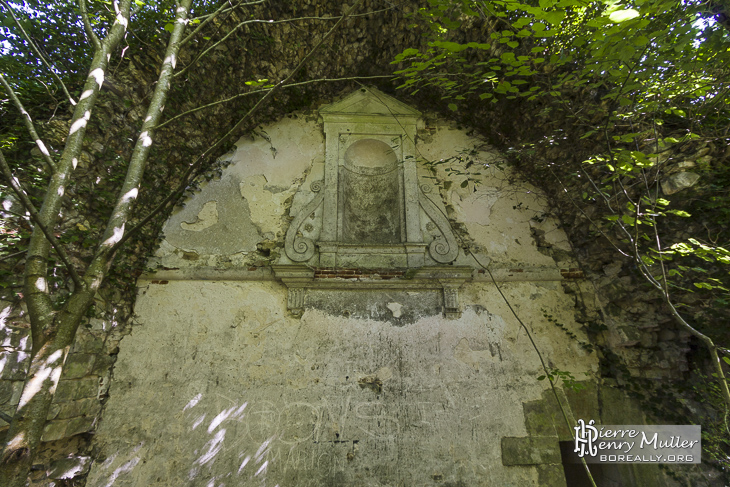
column 265, row 273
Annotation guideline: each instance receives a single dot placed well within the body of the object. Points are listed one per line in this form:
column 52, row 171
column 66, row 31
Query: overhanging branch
column 38, row 52
column 265, row 90
column 29, row 124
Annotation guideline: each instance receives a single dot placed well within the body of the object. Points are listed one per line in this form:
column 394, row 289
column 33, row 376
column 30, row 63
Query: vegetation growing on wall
column 623, row 119
column 66, row 221
column 614, row 109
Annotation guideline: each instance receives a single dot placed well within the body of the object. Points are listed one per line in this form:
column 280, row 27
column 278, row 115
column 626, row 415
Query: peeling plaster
column 207, row 217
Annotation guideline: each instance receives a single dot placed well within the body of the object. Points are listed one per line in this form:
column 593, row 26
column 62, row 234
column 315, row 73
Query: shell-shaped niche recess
column 370, row 194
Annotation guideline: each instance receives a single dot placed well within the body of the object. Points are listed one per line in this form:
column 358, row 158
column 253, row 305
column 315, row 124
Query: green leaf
column 554, row 18
column 449, row 46
column 410, row 52
column 464, row 183
column 623, row 15
column 588, row 134
column 453, row 107
column 169, row 27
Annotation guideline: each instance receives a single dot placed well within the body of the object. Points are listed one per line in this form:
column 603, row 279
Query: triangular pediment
column 369, row 102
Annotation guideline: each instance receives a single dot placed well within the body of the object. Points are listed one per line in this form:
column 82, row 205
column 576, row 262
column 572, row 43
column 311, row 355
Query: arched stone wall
column 370, row 366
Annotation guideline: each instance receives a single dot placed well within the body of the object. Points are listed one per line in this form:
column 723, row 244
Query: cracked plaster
column 219, row 383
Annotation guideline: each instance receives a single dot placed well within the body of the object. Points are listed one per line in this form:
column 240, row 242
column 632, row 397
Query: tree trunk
column 53, row 332
column 46, row 366
column 27, row 426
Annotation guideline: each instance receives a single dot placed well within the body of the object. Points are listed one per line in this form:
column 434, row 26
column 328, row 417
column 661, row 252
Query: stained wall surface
column 219, row 383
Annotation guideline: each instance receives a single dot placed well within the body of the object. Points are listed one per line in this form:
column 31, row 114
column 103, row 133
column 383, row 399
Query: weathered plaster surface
column 224, row 222
column 498, row 210
column 219, row 384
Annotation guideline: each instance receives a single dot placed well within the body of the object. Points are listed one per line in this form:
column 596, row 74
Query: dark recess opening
column 575, row 474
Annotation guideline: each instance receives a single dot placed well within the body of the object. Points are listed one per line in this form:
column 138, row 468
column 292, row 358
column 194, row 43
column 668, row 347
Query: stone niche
column 371, row 211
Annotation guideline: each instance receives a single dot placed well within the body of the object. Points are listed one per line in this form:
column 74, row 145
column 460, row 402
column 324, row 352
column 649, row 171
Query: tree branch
column 10, row 256
column 268, row 22
column 212, row 16
column 542, row 361
column 28, row 205
column 138, row 162
column 38, row 52
column 40, row 307
column 87, row 25
column 239, row 4
column 240, row 95
column 29, row 124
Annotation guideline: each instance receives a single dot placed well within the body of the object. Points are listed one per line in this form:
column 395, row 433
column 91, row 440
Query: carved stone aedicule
column 369, row 211
column 369, row 224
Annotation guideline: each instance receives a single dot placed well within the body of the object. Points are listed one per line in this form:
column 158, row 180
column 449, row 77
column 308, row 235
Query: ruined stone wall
column 220, row 383
column 237, row 224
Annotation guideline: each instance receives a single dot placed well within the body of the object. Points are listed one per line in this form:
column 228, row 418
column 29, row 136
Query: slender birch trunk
column 53, row 332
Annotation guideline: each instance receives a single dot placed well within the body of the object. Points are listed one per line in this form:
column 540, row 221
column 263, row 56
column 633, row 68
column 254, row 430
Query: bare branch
column 201, row 55
column 38, row 52
column 87, row 25
column 29, row 124
column 212, row 16
column 40, row 307
column 10, row 256
column 28, row 205
column 219, row 11
column 240, row 95
column 268, row 22
column 281, row 84
column 542, row 361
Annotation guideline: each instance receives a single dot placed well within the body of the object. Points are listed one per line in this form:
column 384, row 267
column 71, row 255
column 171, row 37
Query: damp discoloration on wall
column 248, row 204
column 219, row 383
column 232, row 378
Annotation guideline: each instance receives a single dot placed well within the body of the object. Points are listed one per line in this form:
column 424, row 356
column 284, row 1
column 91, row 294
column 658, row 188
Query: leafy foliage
column 621, row 112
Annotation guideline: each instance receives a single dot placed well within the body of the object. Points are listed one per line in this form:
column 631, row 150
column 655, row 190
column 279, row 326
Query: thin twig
column 38, row 52
column 212, row 16
column 87, row 25
column 36, row 219
column 268, row 22
column 29, row 125
column 542, row 361
column 9, row 256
